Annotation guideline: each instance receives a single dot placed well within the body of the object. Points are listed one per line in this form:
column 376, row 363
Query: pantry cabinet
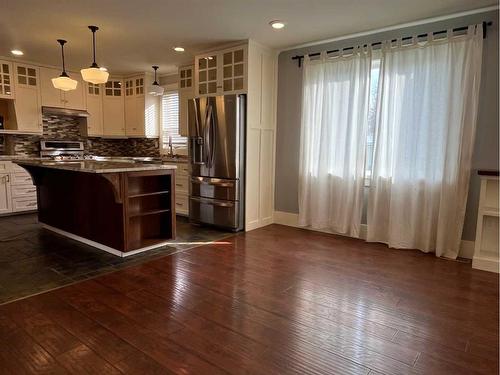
column 28, row 101
column 6, row 80
column 260, row 136
column 52, row 97
column 113, row 108
column 222, row 72
column 186, row 92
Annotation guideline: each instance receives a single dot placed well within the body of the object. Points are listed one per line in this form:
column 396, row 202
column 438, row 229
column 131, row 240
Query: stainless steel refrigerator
column 217, row 160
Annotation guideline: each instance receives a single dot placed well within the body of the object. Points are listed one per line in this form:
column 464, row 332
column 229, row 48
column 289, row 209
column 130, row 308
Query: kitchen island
column 121, row 207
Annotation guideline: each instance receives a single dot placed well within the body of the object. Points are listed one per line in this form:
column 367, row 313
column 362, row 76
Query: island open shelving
column 149, row 208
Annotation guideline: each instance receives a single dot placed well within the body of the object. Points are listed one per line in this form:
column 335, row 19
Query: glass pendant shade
column 94, row 74
column 63, row 82
column 155, row 89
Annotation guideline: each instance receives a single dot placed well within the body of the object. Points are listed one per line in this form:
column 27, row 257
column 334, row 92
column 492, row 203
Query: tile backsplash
column 68, row 128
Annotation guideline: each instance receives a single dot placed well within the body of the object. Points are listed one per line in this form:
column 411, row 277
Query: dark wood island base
column 121, row 212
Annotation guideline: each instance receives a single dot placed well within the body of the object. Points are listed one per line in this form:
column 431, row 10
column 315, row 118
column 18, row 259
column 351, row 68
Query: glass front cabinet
column 6, row 81
column 223, row 72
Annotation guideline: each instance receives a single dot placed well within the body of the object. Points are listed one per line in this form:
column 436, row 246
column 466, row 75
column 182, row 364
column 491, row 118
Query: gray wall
column 289, row 103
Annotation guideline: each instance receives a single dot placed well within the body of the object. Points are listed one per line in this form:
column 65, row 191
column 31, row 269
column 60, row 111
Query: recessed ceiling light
column 17, row 52
column 277, row 24
column 179, row 49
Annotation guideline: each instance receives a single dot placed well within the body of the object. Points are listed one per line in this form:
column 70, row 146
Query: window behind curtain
column 170, row 120
column 372, row 112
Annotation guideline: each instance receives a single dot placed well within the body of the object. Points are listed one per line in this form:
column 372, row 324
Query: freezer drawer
column 216, row 188
column 215, row 212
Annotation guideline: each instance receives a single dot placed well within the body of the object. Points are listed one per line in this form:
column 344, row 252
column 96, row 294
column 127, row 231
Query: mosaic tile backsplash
column 68, row 128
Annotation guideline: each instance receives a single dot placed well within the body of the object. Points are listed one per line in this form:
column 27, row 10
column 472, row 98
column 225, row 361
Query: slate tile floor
column 33, row 260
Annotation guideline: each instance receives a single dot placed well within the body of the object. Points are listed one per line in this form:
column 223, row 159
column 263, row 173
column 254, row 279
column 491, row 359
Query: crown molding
column 393, row 27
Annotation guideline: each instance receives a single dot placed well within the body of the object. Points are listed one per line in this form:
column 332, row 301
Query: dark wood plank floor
column 276, row 300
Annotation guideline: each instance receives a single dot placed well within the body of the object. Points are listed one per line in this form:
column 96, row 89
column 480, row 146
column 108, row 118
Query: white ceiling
column 136, row 34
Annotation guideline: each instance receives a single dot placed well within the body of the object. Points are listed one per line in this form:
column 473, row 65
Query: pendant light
column 155, row 88
column 63, row 82
column 94, row 74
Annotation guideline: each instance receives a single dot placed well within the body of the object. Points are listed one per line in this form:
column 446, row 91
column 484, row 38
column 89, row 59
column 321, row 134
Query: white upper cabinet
column 141, row 109
column 6, row 80
column 27, row 103
column 94, row 108
column 222, row 72
column 52, row 97
column 186, row 77
column 186, row 92
column 134, row 95
column 113, row 108
column 208, row 74
column 75, row 99
column 234, row 68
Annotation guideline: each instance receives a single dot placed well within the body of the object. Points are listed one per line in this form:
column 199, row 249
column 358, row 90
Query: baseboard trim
column 486, row 264
column 100, row 246
column 292, row 220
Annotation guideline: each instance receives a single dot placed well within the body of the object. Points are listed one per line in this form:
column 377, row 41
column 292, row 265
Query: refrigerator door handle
column 213, row 134
column 197, row 141
column 206, row 139
column 196, row 118
column 212, row 202
column 201, row 180
column 209, row 137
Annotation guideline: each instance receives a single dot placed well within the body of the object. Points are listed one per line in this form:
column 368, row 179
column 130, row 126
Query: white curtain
column 333, row 133
column 425, row 127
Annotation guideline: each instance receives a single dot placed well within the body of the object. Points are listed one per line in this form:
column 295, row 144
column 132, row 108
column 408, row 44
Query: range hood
column 65, row 112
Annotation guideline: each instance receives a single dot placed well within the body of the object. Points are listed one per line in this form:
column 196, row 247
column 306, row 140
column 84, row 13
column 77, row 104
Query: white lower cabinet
column 182, row 189
column 5, row 194
column 17, row 192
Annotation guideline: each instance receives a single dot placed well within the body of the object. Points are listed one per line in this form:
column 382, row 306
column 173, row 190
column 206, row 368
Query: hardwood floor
column 277, row 300
column 34, row 260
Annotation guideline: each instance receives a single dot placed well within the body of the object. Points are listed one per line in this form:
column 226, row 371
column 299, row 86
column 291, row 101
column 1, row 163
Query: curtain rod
column 300, row 57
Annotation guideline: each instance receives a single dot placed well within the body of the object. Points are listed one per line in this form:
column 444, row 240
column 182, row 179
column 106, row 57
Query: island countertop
column 93, row 166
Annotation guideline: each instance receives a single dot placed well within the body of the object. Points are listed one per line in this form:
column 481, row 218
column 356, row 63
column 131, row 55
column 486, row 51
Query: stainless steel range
column 62, row 150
